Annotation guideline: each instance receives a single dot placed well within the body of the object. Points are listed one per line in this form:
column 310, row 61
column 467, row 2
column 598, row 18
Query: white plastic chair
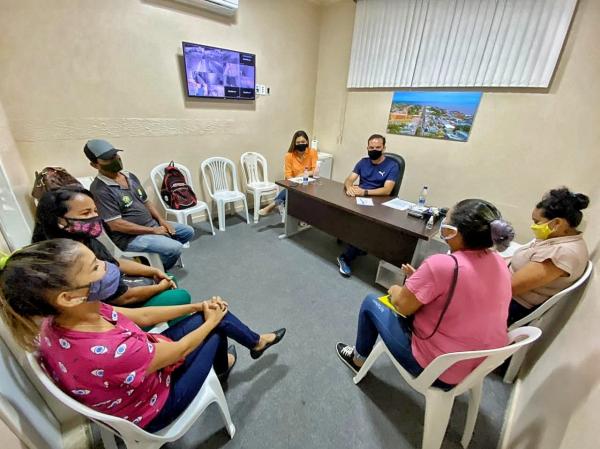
column 535, row 318
column 214, row 171
column 152, row 258
column 132, row 435
column 157, row 174
column 438, row 403
column 252, row 165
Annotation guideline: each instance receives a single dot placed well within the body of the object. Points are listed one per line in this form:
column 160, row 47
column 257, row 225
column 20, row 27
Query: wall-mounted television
column 219, row 73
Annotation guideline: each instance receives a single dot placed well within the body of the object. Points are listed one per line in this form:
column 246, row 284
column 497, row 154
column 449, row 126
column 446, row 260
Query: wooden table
column 389, row 234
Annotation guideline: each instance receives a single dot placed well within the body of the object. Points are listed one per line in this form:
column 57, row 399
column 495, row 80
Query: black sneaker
column 346, row 355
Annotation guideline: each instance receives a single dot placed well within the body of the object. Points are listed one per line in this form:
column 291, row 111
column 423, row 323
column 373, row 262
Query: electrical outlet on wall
column 261, row 89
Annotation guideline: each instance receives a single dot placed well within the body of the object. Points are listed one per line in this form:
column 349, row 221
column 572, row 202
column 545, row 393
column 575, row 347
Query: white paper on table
column 399, row 204
column 364, row 201
column 299, row 180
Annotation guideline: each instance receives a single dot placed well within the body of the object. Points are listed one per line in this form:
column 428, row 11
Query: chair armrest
column 152, row 258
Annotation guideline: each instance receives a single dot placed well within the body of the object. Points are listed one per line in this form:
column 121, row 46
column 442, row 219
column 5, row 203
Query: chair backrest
column 252, row 165
column 216, row 169
column 517, row 338
column 86, row 181
column 158, row 173
column 114, row 424
column 401, row 166
column 553, row 300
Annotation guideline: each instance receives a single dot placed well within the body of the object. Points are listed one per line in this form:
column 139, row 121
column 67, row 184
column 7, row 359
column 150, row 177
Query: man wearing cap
column 122, row 202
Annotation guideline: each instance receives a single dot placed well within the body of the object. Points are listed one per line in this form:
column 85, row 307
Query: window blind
column 457, row 43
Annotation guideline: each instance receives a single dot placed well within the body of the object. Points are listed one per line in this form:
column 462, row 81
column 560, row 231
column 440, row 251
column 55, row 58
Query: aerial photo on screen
column 440, row 115
column 219, row 73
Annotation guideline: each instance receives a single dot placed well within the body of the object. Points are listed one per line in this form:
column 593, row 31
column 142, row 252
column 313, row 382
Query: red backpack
column 175, row 191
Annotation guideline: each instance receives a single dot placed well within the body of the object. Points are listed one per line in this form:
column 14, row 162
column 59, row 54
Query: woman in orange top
column 298, row 158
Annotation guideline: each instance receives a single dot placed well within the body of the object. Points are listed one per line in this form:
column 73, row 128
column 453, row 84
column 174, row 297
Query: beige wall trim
column 84, row 127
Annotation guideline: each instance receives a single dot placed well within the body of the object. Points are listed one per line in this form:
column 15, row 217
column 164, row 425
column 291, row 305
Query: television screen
column 219, row 73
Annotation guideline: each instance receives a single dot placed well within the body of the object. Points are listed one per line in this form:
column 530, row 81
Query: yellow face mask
column 541, row 231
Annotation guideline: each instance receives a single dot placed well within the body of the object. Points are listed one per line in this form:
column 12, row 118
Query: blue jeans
column 187, row 380
column 168, row 248
column 351, row 253
column 280, row 198
column 375, row 319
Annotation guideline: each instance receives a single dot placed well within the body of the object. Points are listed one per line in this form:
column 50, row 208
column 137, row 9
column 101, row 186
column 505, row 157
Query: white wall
column 113, row 69
column 522, row 143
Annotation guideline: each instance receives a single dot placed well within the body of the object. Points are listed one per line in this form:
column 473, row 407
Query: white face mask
column 450, row 227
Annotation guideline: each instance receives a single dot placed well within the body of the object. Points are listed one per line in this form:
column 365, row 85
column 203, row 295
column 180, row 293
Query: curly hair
column 562, row 203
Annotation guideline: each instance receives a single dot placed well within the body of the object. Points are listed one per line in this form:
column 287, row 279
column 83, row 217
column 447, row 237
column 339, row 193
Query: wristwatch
column 366, row 192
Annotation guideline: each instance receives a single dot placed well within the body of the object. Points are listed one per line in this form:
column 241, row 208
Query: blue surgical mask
column 106, row 286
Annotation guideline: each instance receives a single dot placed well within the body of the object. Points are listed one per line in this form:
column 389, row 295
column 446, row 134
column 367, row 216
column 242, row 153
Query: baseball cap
column 99, row 149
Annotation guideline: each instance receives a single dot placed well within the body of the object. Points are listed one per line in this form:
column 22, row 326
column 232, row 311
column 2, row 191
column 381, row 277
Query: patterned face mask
column 89, row 227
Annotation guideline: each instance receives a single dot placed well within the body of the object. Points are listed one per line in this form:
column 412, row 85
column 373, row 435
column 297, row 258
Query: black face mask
column 375, row 154
column 301, row 147
column 115, row 166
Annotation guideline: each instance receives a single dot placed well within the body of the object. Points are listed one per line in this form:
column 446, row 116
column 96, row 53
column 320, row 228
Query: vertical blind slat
column 457, row 43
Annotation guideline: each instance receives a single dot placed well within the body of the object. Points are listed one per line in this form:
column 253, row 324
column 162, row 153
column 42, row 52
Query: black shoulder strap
column 448, row 300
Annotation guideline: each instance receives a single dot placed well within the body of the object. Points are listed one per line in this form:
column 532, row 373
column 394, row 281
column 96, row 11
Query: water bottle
column 316, row 172
column 305, row 177
column 429, row 224
column 422, row 197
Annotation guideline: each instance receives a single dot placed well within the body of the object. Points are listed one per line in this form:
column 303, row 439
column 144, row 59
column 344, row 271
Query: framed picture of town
column 436, row 114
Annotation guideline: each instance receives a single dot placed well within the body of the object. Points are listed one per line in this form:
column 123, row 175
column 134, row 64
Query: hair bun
column 581, row 201
column 502, row 234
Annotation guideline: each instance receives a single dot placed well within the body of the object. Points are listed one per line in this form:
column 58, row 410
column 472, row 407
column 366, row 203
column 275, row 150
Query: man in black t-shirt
column 134, row 223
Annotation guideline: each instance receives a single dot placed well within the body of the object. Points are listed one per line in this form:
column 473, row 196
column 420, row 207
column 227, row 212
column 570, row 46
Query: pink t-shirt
column 107, row 370
column 476, row 317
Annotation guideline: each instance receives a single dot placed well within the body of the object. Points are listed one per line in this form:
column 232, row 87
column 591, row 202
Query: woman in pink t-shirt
column 97, row 353
column 457, row 302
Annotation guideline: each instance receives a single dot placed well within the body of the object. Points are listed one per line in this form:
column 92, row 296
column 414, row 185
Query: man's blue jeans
column 168, row 248
column 375, row 319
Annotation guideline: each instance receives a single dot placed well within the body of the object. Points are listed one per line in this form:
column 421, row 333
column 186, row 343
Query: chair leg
column 222, row 404
column 256, row 206
column 221, row 213
column 438, row 406
column 108, row 438
column 472, row 412
column 375, row 353
column 246, row 209
column 514, row 365
column 210, row 221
